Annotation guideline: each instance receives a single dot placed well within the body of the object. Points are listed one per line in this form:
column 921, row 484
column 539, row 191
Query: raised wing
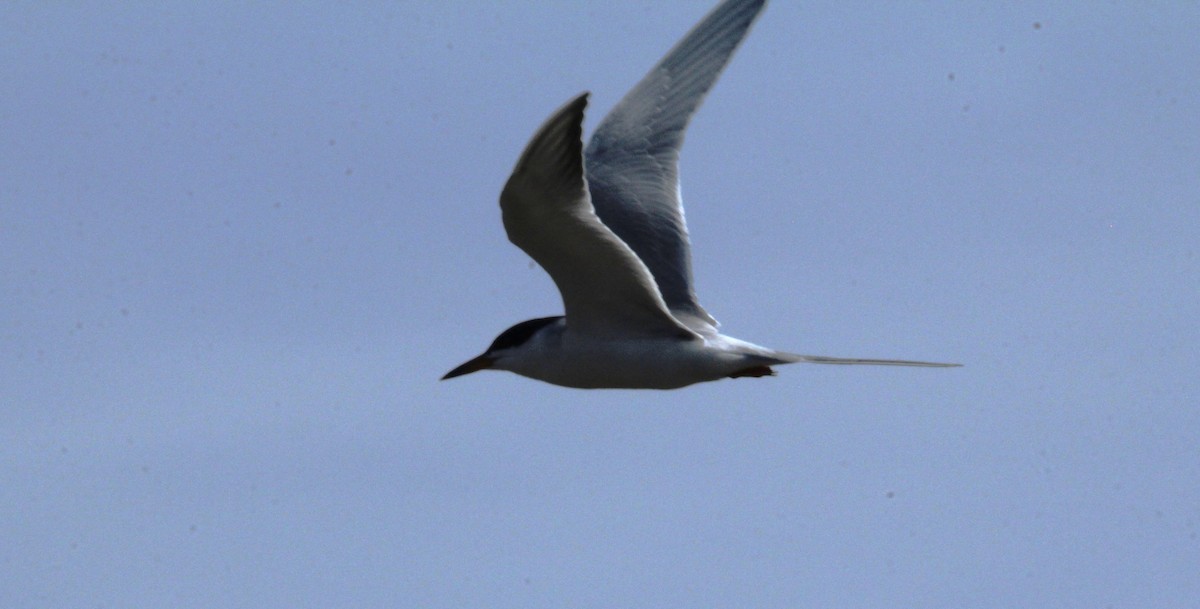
column 606, row 290
column 633, row 157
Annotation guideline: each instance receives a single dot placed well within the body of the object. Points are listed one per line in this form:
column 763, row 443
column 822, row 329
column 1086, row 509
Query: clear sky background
column 240, row 243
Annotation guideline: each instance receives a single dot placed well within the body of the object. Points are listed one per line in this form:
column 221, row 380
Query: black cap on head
column 520, row 333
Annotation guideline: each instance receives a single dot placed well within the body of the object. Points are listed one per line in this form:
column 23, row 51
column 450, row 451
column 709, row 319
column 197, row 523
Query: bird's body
column 557, row 355
column 607, row 224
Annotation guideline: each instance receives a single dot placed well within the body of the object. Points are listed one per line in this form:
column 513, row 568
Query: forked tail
column 855, row 361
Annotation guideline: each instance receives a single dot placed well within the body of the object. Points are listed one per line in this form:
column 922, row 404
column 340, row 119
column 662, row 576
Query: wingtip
column 558, row 143
column 575, row 104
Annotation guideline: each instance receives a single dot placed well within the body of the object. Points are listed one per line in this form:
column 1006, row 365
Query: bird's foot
column 753, row 371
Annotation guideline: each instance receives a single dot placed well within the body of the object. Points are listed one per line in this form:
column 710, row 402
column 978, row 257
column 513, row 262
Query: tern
column 606, row 223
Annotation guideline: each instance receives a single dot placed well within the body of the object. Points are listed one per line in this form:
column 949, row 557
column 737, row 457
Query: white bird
column 607, row 224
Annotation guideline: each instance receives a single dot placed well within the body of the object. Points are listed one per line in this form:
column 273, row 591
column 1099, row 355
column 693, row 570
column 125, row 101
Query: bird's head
column 510, row 342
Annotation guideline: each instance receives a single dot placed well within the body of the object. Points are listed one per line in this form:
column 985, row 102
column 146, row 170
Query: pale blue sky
column 239, row 244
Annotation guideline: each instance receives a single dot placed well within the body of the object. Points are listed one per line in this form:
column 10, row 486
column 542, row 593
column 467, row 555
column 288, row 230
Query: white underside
column 651, row 363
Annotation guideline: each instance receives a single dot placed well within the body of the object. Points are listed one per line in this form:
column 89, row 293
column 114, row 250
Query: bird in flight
column 606, row 222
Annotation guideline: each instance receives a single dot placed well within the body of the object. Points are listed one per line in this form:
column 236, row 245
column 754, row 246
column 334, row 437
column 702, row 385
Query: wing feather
column 633, row 157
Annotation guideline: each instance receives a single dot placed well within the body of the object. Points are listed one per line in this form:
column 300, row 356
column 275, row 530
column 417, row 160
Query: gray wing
column 606, row 290
column 633, row 157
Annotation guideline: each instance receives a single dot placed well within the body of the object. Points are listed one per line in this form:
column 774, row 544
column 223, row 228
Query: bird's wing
column 606, row 290
column 633, row 157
